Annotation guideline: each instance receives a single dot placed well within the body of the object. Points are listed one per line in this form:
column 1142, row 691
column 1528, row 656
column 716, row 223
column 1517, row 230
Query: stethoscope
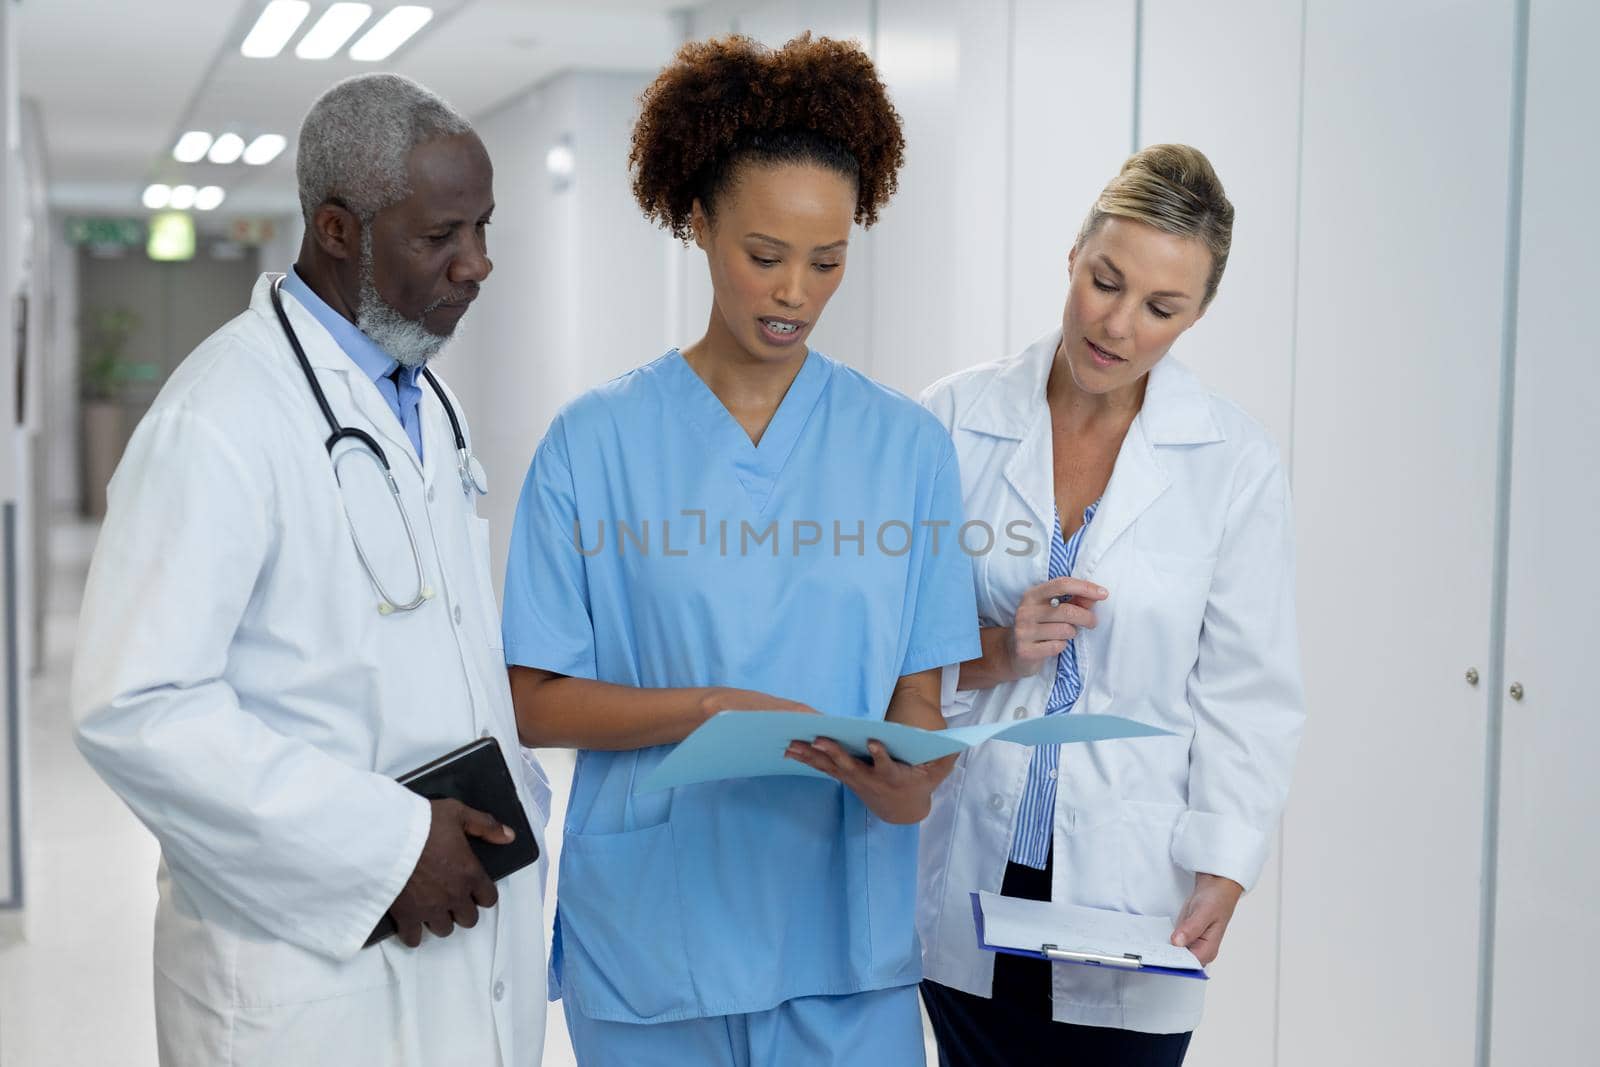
column 471, row 471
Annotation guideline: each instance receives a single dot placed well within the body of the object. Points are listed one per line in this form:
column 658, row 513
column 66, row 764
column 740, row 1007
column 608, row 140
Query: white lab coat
column 1193, row 540
column 236, row 685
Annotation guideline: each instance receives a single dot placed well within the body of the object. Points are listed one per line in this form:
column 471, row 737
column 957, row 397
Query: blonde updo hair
column 1173, row 188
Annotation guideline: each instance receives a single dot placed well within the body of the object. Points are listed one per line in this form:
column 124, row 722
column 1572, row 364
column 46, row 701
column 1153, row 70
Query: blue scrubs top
column 806, row 568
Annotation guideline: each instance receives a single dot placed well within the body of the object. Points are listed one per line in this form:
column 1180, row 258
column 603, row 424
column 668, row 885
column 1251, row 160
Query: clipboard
column 1125, row 962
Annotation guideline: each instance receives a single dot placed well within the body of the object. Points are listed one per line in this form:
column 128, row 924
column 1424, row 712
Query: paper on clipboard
column 1070, row 933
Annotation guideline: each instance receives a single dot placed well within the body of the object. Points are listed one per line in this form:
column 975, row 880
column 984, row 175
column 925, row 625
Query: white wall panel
column 1404, row 186
column 1071, row 128
column 1549, row 793
column 1245, row 115
column 579, row 290
column 510, row 366
column 939, row 254
column 12, row 457
column 619, row 254
column 282, row 251
column 775, row 23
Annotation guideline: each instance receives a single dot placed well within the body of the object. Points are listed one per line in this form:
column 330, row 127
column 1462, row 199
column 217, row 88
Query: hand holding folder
column 1069, row 933
column 751, row 744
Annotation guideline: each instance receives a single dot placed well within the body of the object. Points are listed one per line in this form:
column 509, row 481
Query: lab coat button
column 430, row 494
column 499, row 991
column 1020, row 713
column 997, row 802
column 485, row 732
column 458, row 614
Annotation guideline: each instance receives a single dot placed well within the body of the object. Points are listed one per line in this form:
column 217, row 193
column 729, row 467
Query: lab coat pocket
column 1167, row 596
column 539, row 790
column 480, row 566
column 625, row 955
column 936, row 835
column 1180, row 571
column 1088, row 856
column 1185, row 576
column 270, row 974
column 1152, row 884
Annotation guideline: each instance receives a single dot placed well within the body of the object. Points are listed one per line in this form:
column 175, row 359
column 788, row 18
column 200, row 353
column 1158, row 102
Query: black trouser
column 1013, row 1027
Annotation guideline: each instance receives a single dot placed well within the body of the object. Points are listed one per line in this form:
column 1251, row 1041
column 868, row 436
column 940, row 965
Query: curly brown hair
column 729, row 101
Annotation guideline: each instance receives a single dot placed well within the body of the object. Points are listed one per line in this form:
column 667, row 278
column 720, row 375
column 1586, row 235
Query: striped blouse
column 1030, row 843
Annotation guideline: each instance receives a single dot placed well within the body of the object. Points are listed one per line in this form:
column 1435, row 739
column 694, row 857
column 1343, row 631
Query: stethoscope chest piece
column 473, row 477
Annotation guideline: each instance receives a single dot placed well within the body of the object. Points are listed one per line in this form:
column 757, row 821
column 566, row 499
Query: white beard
column 410, row 343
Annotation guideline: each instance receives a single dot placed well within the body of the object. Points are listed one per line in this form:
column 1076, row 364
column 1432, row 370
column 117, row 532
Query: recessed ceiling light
column 191, row 147
column 156, row 196
column 226, row 149
column 390, row 32
column 264, row 149
column 332, row 30
column 208, row 198
column 273, row 29
column 182, row 197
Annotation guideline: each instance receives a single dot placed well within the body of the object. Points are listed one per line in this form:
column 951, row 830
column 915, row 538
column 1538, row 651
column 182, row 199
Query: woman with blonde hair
column 1162, row 590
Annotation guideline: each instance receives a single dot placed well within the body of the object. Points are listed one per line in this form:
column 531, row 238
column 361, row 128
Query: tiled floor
column 77, row 991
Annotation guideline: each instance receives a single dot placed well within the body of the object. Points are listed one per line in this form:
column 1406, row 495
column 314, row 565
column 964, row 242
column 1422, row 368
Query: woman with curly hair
column 744, row 524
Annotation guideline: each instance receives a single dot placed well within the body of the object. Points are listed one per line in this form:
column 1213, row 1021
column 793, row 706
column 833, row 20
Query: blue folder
column 749, row 744
column 1085, row 959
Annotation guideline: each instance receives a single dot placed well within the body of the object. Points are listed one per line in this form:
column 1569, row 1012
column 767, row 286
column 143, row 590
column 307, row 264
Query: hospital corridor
column 798, row 533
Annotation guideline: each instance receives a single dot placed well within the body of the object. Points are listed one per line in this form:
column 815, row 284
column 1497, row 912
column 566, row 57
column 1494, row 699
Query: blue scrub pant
column 879, row 1028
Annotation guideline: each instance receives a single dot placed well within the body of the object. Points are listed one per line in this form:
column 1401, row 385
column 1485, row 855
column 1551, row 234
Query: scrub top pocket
column 629, row 883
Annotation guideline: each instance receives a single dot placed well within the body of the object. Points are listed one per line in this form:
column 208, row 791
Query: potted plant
column 106, row 372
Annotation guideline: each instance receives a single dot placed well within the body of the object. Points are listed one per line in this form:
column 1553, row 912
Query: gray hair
column 357, row 137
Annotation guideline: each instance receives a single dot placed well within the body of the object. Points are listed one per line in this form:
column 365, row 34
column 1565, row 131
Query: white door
column 1549, row 864
column 1402, row 250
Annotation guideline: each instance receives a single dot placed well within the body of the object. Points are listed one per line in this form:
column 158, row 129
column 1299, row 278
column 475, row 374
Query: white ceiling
column 116, row 82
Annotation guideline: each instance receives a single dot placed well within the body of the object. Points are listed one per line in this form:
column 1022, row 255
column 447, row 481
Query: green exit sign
column 105, row 231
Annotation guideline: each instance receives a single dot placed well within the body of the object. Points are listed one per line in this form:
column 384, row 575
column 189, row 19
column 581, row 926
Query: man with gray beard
column 290, row 605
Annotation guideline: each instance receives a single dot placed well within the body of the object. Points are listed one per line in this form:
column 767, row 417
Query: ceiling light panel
column 332, row 30
column 192, row 147
column 273, row 29
column 390, row 32
column 156, row 196
column 208, row 198
column 226, row 149
column 182, row 197
column 264, row 149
